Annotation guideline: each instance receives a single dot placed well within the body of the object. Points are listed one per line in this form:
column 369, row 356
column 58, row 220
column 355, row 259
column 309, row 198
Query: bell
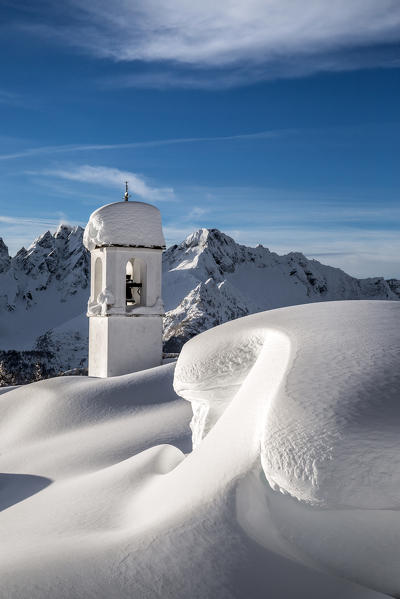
column 129, row 289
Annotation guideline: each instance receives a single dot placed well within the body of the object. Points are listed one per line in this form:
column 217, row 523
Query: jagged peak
column 22, row 252
column 46, row 235
column 3, row 247
column 63, row 230
column 4, row 256
column 203, row 236
column 297, row 256
column 43, row 241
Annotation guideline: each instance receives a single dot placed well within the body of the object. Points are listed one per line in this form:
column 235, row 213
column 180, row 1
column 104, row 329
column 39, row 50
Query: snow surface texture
column 99, row 499
column 134, row 224
column 329, row 380
column 208, row 279
column 344, row 379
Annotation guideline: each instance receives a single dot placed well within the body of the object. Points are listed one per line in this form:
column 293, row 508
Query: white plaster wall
column 93, row 257
column 123, row 344
column 98, row 344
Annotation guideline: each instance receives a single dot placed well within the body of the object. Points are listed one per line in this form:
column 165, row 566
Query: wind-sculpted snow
column 102, row 496
column 331, row 433
column 327, row 432
column 209, row 374
column 331, row 436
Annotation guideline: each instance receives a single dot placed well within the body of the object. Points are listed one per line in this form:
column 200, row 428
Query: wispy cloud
column 42, row 222
column 6, row 97
column 12, row 99
column 251, row 40
column 196, row 212
column 71, row 148
column 111, row 177
column 247, row 73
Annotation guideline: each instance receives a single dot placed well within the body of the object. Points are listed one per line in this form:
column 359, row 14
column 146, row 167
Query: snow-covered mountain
column 43, row 293
column 208, row 279
column 42, row 287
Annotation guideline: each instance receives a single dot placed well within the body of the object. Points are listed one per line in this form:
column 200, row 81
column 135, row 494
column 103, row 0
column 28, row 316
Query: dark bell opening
column 131, row 285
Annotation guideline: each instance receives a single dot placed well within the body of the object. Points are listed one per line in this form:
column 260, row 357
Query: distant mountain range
column 208, row 279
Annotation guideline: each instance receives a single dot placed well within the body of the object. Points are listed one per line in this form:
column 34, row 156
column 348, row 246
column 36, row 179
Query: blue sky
column 273, row 120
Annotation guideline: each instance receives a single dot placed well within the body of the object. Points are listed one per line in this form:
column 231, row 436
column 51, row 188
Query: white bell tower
column 125, row 308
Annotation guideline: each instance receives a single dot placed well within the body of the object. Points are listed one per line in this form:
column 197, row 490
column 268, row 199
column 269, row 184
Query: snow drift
column 293, row 481
column 330, row 435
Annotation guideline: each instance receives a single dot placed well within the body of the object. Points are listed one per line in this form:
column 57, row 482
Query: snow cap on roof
column 134, row 224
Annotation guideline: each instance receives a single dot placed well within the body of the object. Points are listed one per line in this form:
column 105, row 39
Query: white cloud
column 255, row 39
column 111, row 177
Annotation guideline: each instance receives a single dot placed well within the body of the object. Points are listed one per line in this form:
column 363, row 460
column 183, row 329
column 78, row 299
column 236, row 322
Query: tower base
column 124, row 344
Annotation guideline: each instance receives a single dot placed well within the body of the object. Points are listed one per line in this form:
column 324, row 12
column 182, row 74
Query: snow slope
column 293, row 479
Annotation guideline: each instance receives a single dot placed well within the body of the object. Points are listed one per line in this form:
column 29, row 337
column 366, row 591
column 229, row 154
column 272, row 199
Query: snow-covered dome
column 134, row 224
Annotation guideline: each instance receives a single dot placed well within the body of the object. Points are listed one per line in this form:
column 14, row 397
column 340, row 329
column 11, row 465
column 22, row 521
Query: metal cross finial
column 126, row 195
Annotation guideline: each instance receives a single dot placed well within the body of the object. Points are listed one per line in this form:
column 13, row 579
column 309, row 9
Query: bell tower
column 125, row 307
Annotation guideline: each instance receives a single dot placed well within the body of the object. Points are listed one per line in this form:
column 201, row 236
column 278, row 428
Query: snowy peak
column 64, row 231
column 50, row 254
column 33, row 284
column 228, row 280
column 213, row 253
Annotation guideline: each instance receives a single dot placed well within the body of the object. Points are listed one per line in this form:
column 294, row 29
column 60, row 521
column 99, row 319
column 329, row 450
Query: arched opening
column 98, row 278
column 134, row 282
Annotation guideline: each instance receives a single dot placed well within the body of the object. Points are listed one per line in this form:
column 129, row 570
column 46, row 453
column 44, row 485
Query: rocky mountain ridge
column 208, row 279
column 221, row 280
column 58, row 262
